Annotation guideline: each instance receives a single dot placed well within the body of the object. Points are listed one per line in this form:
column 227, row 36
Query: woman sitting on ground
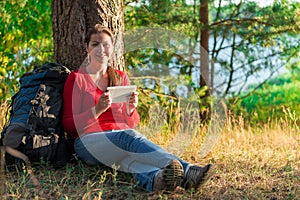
column 104, row 131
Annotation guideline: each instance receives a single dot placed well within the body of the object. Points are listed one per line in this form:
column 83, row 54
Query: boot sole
column 173, row 175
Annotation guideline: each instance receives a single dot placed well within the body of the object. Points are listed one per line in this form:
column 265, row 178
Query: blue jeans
column 128, row 150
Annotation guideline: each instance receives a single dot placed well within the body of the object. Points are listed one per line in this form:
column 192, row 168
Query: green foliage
column 272, row 101
column 251, row 40
column 162, row 59
column 170, row 85
column 247, row 40
column 26, row 32
column 163, row 68
column 172, row 15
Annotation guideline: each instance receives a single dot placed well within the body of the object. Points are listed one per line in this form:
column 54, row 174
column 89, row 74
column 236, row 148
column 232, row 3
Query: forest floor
column 260, row 163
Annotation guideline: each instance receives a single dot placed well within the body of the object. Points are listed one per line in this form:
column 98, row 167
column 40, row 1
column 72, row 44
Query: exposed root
column 22, row 156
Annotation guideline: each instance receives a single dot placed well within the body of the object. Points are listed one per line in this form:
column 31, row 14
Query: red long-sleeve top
column 81, row 95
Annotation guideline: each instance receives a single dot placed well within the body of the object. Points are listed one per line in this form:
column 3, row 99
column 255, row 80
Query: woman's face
column 100, row 48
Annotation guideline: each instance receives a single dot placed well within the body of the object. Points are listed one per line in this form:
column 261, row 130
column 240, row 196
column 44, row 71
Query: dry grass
column 260, row 162
column 256, row 163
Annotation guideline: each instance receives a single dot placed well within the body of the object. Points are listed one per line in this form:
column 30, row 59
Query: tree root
column 20, row 155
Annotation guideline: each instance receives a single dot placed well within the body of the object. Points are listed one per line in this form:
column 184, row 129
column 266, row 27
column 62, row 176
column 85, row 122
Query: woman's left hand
column 132, row 102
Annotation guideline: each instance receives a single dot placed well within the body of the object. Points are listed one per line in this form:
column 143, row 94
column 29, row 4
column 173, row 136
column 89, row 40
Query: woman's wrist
column 97, row 111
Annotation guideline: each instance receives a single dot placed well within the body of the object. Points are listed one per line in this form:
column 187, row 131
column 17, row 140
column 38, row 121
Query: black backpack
column 35, row 123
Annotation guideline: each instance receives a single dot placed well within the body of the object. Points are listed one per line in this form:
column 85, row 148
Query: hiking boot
column 169, row 177
column 195, row 176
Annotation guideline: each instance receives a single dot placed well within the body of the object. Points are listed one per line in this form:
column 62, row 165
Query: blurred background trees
column 26, row 40
column 252, row 49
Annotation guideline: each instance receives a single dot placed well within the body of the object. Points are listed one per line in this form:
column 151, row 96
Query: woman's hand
column 132, row 102
column 104, row 103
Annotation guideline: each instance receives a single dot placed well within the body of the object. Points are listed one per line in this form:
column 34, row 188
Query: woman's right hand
column 104, row 103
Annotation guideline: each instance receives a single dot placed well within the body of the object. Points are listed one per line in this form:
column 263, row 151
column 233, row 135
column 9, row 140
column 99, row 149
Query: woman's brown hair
column 114, row 78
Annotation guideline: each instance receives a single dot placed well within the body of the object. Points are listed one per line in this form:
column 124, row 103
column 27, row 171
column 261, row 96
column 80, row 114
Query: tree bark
column 204, row 39
column 72, row 18
column 204, row 57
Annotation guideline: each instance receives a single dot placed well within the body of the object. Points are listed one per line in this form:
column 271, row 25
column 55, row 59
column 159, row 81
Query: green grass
column 251, row 163
column 271, row 101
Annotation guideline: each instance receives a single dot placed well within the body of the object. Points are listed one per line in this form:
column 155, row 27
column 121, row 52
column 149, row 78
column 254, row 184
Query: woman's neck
column 98, row 70
column 99, row 76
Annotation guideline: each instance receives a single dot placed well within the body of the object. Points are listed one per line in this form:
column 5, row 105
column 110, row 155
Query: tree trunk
column 70, row 22
column 204, row 58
